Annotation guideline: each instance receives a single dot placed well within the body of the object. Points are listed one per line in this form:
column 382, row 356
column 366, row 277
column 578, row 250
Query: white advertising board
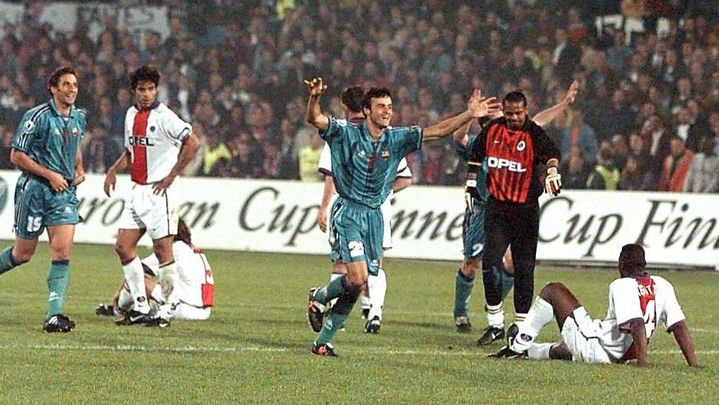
column 281, row 216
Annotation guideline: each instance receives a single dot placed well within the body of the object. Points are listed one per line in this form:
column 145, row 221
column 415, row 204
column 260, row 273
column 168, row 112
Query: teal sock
column 57, row 281
column 462, row 293
column 337, row 316
column 506, row 282
column 332, row 290
column 7, row 263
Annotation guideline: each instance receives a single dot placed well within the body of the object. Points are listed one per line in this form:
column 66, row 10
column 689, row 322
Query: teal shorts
column 473, row 232
column 37, row 206
column 356, row 234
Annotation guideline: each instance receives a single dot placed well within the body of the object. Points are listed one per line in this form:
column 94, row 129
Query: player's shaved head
column 632, row 259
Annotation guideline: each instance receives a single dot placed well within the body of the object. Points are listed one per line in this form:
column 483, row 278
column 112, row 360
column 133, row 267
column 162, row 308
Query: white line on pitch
column 257, row 349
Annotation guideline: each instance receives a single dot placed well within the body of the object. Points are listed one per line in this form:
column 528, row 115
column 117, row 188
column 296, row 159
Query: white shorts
column 581, row 335
column 189, row 313
column 386, row 209
column 158, row 214
column 183, row 311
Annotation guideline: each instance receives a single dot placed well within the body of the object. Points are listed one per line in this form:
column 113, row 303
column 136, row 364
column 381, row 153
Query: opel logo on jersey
column 140, row 141
column 510, row 165
column 521, row 145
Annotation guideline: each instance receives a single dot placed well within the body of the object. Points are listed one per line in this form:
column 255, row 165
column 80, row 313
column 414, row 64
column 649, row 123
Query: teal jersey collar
column 53, row 107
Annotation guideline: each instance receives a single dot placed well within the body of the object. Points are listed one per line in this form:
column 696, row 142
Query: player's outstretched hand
column 553, row 182
column 160, row 187
column 571, row 93
column 315, row 86
column 110, row 180
column 482, row 106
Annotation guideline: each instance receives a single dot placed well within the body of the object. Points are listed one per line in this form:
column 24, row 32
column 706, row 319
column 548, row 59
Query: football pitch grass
column 255, row 347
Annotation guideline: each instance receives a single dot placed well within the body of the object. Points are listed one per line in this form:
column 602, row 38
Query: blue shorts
column 37, row 206
column 356, row 234
column 473, row 231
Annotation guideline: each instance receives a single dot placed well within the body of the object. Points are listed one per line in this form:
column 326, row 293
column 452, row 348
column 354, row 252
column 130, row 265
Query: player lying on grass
column 195, row 284
column 638, row 302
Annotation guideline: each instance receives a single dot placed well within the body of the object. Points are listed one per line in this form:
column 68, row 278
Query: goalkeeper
column 514, row 148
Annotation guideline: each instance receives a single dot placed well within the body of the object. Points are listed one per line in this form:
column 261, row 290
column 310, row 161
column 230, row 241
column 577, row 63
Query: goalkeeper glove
column 471, row 195
column 553, row 182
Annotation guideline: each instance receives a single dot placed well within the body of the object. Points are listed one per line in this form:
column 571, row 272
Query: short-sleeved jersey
column 462, row 152
column 648, row 297
column 153, row 137
column 512, row 159
column 196, row 282
column 363, row 169
column 51, row 139
column 325, row 165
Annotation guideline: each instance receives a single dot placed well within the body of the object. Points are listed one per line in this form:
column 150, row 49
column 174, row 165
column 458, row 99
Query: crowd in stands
column 646, row 118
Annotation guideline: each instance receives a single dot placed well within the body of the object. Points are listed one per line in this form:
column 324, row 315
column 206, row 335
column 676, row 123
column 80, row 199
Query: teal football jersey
column 363, row 169
column 51, row 139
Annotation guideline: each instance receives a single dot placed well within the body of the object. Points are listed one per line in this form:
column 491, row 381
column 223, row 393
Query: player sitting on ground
column 638, row 302
column 195, row 284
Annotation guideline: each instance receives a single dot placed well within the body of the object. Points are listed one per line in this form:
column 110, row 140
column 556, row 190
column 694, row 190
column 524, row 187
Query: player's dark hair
column 632, row 256
column 353, row 97
column 54, row 78
column 515, row 96
column 183, row 232
column 375, row 92
column 147, row 73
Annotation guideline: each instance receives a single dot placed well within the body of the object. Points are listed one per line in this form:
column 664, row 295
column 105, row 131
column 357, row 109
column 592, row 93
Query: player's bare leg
column 19, row 253
column 60, row 238
column 126, row 248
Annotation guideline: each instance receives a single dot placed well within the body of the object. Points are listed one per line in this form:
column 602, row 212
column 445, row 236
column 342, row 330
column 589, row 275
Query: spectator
column 703, row 175
column 310, row 159
column 580, row 135
column 575, row 170
column 606, row 175
column 675, row 167
column 100, row 151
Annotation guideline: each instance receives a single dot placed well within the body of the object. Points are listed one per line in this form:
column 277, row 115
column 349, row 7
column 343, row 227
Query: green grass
column 254, row 349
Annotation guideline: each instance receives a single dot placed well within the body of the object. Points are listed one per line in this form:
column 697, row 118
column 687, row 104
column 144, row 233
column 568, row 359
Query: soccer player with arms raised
column 638, row 303
column 364, row 164
column 158, row 146
column 372, row 300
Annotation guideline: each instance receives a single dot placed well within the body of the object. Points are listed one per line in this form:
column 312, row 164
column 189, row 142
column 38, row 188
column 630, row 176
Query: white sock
column 168, row 284
column 495, row 316
column 156, row 294
column 135, row 279
column 333, row 277
column 540, row 314
column 125, row 300
column 539, row 351
column 377, row 286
